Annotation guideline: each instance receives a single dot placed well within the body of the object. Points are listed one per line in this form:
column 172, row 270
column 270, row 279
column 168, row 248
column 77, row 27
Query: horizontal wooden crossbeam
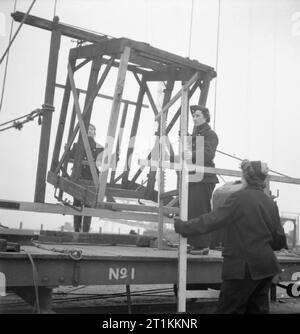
column 68, row 210
column 211, row 170
column 66, row 30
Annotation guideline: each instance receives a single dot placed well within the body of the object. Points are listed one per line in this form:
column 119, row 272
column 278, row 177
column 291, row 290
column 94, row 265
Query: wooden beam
column 84, row 136
column 76, row 172
column 68, row 210
column 104, row 96
column 40, row 183
column 162, row 151
column 65, row 30
column 147, row 63
column 113, row 123
column 71, row 129
column 180, row 75
column 105, row 47
column 62, row 121
column 90, row 101
column 183, row 200
column 177, row 96
column 133, row 132
column 150, row 98
column 119, row 140
column 205, row 88
column 164, row 56
column 212, row 170
column 88, row 196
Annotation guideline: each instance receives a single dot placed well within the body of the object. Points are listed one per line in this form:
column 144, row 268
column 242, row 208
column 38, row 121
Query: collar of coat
column 201, row 129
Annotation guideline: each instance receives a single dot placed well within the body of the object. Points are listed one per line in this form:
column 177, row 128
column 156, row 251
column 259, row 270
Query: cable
column 6, row 63
column 54, row 11
column 191, row 29
column 236, row 158
column 17, row 31
column 29, row 117
column 35, row 283
column 217, row 63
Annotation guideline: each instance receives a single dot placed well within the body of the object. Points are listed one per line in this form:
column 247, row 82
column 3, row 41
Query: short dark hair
column 204, row 110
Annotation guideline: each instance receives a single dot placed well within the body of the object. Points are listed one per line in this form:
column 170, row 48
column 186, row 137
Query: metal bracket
column 67, row 202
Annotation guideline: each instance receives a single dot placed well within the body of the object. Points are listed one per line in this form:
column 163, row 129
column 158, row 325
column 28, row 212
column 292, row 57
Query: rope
column 54, row 11
column 217, row 63
column 29, row 117
column 35, row 283
column 74, row 254
column 191, row 29
column 17, row 31
column 236, row 158
column 7, row 58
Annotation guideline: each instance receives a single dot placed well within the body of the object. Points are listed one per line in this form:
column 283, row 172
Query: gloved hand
column 178, row 224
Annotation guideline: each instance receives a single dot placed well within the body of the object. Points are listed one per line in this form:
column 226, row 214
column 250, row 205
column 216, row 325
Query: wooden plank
column 119, row 140
column 83, row 129
column 177, row 114
column 68, row 210
column 183, row 200
column 169, row 193
column 180, row 75
column 66, row 30
column 133, row 132
column 113, row 46
column 150, row 98
column 104, row 96
column 94, row 72
column 71, row 129
column 40, row 183
column 62, row 121
column 168, row 129
column 149, row 64
column 148, row 50
column 178, row 95
column 113, row 123
column 205, row 88
column 220, row 171
column 162, row 152
column 84, row 62
column 90, row 101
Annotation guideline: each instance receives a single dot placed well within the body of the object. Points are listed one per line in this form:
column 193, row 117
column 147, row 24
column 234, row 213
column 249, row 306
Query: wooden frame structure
column 147, row 64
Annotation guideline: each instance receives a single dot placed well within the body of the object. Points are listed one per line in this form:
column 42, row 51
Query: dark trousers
column 199, row 203
column 240, row 296
column 78, row 220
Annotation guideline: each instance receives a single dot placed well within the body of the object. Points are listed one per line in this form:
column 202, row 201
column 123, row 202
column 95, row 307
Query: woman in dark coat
column 251, row 220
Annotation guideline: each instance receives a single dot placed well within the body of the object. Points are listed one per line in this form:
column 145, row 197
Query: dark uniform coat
column 250, row 217
column 201, row 186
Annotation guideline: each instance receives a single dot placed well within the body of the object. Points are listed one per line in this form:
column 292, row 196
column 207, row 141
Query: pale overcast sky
column 257, row 111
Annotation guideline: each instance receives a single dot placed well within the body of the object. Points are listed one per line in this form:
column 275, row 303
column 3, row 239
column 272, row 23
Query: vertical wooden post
column 183, row 197
column 113, row 123
column 134, row 128
column 95, row 68
column 152, row 174
column 120, row 137
column 62, row 120
column 40, row 184
column 204, row 89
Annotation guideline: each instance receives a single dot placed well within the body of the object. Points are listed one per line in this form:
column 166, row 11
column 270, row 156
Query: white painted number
column 121, row 273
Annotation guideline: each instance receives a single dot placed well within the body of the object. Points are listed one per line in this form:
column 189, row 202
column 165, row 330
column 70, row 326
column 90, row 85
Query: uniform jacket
column 210, row 145
column 85, row 169
column 249, row 217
